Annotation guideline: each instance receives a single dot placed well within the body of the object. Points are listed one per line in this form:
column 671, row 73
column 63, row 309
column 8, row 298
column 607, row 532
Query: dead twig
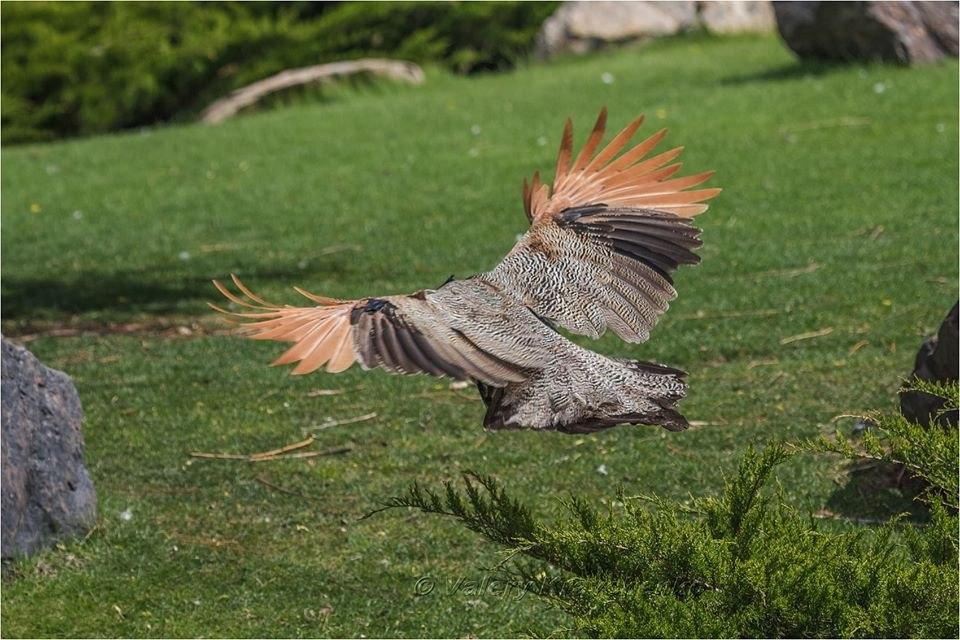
column 276, row 452
column 286, row 452
column 305, row 454
column 337, row 423
column 219, row 456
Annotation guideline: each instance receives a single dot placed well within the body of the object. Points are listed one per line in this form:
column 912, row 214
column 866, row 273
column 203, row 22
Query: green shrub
column 741, row 564
column 929, row 453
column 91, row 67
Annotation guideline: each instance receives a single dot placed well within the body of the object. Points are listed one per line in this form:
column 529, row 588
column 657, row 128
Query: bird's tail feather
column 646, row 393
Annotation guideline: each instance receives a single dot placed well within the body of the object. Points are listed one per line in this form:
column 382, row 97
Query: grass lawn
column 839, row 216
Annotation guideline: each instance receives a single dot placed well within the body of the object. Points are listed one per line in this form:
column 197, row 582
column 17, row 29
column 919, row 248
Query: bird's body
column 598, row 255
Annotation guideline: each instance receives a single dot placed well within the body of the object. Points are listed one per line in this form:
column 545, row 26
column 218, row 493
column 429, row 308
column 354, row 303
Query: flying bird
column 598, row 254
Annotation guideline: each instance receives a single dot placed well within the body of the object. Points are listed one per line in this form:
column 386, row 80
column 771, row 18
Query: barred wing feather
column 602, row 245
column 430, row 332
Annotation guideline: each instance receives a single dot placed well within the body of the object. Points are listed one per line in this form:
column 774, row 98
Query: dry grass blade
column 849, row 415
column 706, row 315
column 807, row 336
column 271, row 485
column 843, row 121
column 699, row 424
column 324, row 392
column 790, row 273
column 858, row 346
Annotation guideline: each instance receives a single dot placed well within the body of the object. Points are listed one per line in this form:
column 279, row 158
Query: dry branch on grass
column 276, row 452
column 337, row 423
column 251, row 94
column 286, row 452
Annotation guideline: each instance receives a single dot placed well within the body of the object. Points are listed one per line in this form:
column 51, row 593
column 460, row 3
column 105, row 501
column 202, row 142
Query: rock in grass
column 937, row 361
column 737, row 16
column 903, row 32
column 47, row 493
column 581, row 26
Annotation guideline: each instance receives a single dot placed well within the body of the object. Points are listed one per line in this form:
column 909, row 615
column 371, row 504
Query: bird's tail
column 602, row 394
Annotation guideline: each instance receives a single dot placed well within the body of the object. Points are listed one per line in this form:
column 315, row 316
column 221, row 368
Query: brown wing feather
column 591, row 144
column 375, row 332
column 566, row 150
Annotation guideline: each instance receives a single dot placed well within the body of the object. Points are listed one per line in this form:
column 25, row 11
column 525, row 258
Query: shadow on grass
column 120, row 295
column 875, row 492
column 32, row 297
column 793, row 71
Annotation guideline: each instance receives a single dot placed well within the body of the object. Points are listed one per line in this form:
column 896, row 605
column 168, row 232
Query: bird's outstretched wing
column 457, row 331
column 598, row 254
column 603, row 243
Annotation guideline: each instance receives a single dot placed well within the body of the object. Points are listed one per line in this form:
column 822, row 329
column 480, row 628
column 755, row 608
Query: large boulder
column 580, row 26
column 47, row 493
column 737, row 16
column 937, row 361
column 903, row 32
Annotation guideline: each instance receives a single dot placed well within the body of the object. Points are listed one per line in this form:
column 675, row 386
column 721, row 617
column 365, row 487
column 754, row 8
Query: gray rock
column 47, row 493
column 903, row 32
column 940, row 19
column 937, row 361
column 580, row 26
column 737, row 16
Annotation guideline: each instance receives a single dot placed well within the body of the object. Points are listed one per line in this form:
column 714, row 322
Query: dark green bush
column 90, row 67
column 741, row 564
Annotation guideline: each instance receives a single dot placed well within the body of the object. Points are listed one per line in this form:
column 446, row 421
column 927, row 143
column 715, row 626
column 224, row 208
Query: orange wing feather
column 624, row 181
column 321, row 334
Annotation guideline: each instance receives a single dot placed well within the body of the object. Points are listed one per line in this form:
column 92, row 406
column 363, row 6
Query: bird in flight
column 598, row 255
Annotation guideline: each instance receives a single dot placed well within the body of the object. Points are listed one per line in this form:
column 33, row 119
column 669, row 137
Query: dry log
column 253, row 93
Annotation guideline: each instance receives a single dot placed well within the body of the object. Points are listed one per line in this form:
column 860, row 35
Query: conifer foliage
column 741, row 563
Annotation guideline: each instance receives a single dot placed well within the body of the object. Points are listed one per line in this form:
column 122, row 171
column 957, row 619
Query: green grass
column 839, row 212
